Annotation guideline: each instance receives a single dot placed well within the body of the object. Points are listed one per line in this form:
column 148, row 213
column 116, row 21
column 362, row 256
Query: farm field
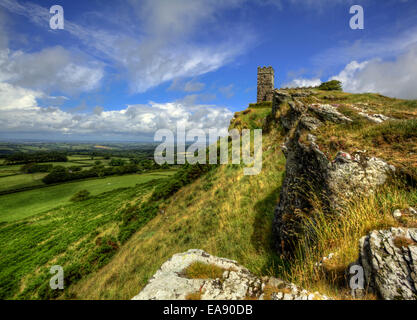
column 18, row 181
column 41, row 226
column 80, row 236
column 11, row 177
column 8, row 170
column 23, row 204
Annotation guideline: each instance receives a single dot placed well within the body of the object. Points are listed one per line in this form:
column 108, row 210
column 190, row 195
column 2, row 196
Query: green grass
column 264, row 104
column 11, row 178
column 23, row 180
column 7, row 170
column 81, row 237
column 81, row 157
column 27, row 203
column 224, row 213
column 251, row 118
column 394, row 131
column 341, row 235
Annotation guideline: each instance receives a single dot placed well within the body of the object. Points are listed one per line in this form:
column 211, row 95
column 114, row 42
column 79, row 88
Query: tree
column 57, row 174
column 333, row 85
column 116, row 162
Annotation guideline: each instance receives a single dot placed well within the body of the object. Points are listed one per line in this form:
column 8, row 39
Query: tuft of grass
column 393, row 131
column 340, row 235
column 264, row 104
column 201, row 270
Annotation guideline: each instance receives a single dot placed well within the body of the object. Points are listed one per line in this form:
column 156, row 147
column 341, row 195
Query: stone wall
column 265, row 84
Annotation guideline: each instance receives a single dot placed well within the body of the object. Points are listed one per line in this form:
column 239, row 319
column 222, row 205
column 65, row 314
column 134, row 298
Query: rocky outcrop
column 328, row 112
column 311, row 175
column 236, row 283
column 373, row 117
column 389, row 261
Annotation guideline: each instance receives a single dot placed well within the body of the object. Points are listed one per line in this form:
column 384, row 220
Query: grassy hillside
column 81, row 237
column 18, row 181
column 224, row 212
column 230, row 215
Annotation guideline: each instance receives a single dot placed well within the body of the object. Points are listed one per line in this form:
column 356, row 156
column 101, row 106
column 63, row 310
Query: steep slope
column 224, row 213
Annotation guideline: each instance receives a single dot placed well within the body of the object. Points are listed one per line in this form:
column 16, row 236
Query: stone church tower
column 265, row 84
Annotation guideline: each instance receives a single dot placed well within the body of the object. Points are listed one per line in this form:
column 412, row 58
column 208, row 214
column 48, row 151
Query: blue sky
column 121, row 70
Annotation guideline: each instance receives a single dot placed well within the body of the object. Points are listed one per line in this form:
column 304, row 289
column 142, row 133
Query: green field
column 75, row 236
column 11, row 178
column 19, row 181
column 27, row 203
column 7, row 170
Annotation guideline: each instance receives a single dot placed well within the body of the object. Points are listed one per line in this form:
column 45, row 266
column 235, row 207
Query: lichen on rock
column 236, row 283
column 390, row 266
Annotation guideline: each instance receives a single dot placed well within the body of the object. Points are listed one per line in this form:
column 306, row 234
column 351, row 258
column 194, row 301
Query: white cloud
column 302, row 82
column 17, row 98
column 161, row 43
column 50, row 69
column 158, row 40
column 20, row 113
column 395, row 78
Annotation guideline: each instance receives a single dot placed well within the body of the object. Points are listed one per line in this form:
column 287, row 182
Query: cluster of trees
column 25, row 158
column 62, row 174
column 36, row 167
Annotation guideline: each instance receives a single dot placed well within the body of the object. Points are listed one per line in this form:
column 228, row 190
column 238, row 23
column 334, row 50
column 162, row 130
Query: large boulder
column 389, row 261
column 236, row 283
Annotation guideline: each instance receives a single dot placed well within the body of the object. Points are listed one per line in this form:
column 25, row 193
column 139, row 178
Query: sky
column 120, row 70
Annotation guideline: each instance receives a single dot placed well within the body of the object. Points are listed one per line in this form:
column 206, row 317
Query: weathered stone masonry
column 265, row 84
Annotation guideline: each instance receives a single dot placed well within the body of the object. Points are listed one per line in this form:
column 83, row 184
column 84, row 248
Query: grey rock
column 397, row 214
column 390, row 271
column 310, row 123
column 236, row 283
column 376, row 118
column 308, row 171
column 328, row 112
column 302, row 93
